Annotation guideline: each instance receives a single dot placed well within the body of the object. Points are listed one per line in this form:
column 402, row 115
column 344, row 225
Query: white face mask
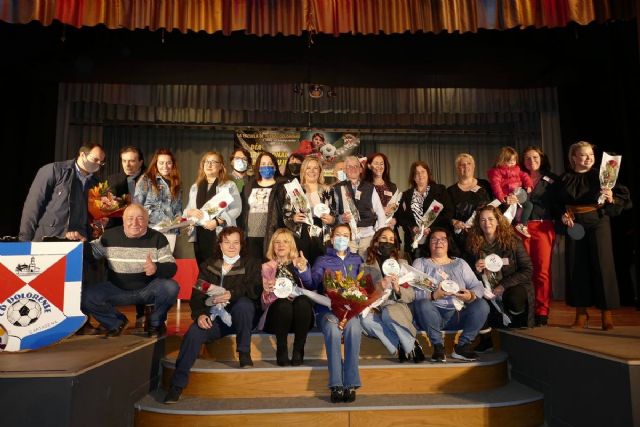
column 90, row 167
column 342, row 176
column 240, row 165
column 230, row 260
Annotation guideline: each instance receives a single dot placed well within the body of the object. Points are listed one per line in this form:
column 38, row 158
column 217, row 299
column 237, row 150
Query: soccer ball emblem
column 328, row 152
column 24, row 312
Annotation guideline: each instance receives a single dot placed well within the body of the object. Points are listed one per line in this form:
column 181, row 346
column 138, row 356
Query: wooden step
column 263, row 347
column 506, row 406
column 379, row 376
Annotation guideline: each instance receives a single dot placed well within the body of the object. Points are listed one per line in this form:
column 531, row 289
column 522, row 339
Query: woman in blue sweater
column 344, row 376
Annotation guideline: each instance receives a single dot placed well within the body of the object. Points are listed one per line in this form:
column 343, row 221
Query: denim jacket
column 160, row 204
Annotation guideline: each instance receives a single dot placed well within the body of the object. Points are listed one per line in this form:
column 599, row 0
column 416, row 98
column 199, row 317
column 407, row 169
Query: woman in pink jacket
column 287, row 314
column 505, row 178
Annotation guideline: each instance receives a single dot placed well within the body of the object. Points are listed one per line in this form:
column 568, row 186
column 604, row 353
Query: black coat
column 404, row 214
column 243, row 280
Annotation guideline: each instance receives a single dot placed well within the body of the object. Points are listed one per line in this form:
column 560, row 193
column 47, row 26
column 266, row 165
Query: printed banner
column 328, row 147
column 40, row 289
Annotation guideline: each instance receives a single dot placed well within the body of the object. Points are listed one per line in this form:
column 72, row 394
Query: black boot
column 282, row 352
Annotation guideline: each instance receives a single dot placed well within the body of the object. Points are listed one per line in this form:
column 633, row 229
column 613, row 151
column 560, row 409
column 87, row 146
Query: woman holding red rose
column 591, row 275
column 212, row 178
column 414, row 203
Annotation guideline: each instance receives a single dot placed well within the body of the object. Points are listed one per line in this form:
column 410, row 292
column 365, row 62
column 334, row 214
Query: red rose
column 436, row 209
column 613, row 163
column 222, row 204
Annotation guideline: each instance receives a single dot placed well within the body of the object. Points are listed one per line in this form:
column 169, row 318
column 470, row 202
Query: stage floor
column 70, row 357
column 620, row 344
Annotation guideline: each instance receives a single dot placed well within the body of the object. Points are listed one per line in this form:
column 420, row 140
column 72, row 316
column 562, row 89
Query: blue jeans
column 342, row 373
column 101, row 299
column 373, row 327
column 242, row 312
column 434, row 319
column 390, row 334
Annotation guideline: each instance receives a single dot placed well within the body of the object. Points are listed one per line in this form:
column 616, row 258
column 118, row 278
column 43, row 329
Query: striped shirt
column 126, row 257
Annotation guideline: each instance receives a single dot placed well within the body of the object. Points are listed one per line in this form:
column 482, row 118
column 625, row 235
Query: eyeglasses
column 439, row 240
column 239, row 158
column 95, row 160
column 211, row 162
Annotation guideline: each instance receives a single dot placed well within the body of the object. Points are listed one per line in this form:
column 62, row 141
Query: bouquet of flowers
column 609, row 169
column 299, row 199
column 351, row 208
column 394, row 204
column 349, row 296
column 214, row 206
column 427, row 219
column 103, row 203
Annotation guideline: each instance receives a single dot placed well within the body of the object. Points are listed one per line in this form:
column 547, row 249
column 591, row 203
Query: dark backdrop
column 595, row 69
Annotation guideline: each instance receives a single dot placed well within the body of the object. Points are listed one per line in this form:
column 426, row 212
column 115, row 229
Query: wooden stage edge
column 71, row 357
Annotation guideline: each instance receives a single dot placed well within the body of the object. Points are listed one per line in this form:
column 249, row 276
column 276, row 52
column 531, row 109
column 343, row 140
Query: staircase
column 450, row 394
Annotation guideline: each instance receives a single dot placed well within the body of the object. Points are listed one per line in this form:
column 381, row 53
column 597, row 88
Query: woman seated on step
column 448, row 309
column 508, row 276
column 286, row 313
column 344, row 376
column 223, row 301
column 392, row 321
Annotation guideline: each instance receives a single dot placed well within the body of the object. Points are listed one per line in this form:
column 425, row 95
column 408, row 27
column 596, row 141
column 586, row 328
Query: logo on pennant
column 40, row 293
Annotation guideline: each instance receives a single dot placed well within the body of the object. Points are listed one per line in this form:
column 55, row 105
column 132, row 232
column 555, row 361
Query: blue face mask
column 340, row 243
column 342, row 176
column 230, row 260
column 267, row 172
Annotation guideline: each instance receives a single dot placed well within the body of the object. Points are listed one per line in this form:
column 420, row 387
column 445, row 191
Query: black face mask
column 294, row 169
column 385, row 249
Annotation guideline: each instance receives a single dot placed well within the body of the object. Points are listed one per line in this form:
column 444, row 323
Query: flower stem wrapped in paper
column 176, row 223
column 349, row 296
column 427, row 219
column 394, row 204
column 214, row 207
column 609, row 170
column 299, row 200
column 349, row 206
column 416, row 278
column 217, row 310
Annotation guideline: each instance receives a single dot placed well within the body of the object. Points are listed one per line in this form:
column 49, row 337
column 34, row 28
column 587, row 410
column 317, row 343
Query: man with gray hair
column 140, row 268
column 359, row 205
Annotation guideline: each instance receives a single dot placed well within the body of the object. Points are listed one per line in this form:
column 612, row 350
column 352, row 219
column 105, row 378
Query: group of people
column 352, row 226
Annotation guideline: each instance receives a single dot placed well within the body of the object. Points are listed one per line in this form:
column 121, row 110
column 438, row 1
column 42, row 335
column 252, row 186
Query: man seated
column 140, row 268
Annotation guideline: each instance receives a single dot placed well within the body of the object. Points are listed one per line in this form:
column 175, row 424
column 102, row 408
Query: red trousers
column 540, row 247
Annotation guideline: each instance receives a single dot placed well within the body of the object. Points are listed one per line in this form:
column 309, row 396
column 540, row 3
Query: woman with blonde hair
column 591, row 275
column 286, row 314
column 467, row 194
column 310, row 237
column 212, row 179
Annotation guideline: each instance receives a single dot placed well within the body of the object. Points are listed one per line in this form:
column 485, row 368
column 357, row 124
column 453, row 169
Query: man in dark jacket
column 124, row 183
column 56, row 206
column 140, row 268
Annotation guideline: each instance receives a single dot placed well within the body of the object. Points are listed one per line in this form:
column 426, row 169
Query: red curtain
column 293, row 17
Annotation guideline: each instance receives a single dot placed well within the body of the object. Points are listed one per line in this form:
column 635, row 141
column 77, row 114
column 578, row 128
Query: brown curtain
column 293, row 17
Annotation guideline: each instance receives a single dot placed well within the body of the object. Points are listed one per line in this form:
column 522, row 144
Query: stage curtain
column 293, row 17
